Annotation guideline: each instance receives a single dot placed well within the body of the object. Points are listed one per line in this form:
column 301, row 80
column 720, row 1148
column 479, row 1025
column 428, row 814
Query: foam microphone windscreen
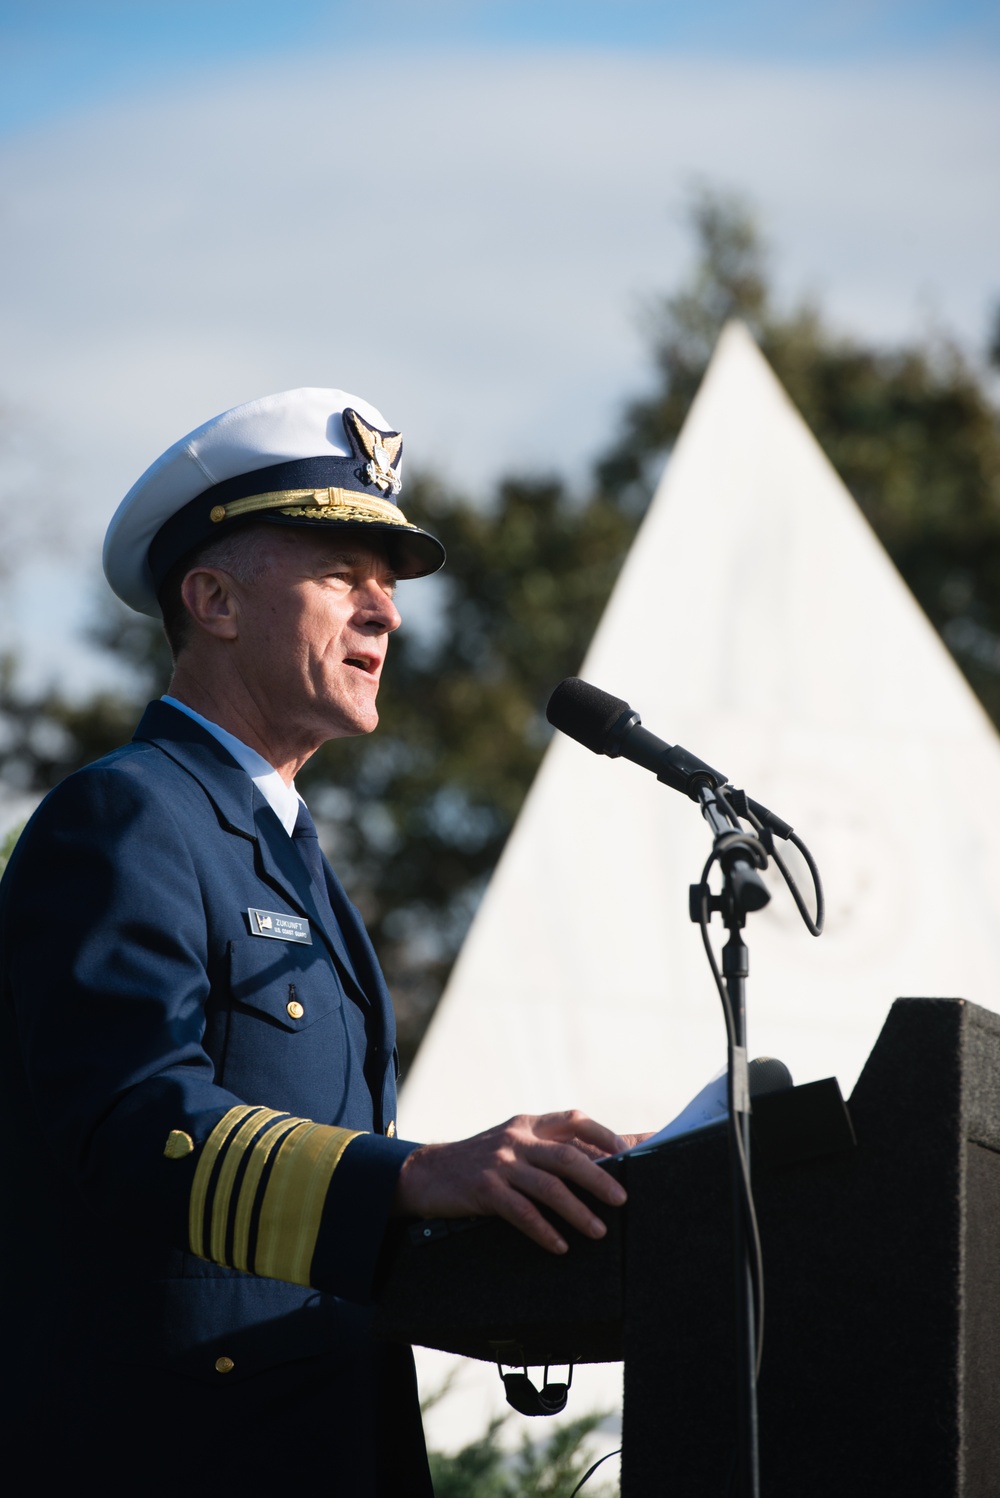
column 584, row 712
column 768, row 1074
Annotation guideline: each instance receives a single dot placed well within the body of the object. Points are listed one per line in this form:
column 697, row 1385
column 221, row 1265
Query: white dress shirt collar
column 281, row 798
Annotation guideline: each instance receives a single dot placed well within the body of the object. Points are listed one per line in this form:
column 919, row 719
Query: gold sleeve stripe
column 272, row 1166
column 256, row 1166
column 236, row 1147
column 293, row 1201
column 210, row 1152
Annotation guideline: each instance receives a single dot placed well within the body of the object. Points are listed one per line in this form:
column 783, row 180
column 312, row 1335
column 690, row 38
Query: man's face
column 313, row 631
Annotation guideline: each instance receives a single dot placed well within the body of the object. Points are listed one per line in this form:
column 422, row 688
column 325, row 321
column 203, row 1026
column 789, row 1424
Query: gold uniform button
column 178, row 1145
column 390, row 1132
column 224, row 1365
column 295, row 1009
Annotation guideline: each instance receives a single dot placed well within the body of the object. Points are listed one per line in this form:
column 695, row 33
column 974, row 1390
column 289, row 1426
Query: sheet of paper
column 706, row 1107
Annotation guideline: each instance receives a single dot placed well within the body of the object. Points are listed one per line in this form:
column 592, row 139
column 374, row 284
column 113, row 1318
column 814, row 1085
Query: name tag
column 280, row 927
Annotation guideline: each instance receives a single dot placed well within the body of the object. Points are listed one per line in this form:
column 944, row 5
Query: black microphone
column 607, row 725
column 767, row 1074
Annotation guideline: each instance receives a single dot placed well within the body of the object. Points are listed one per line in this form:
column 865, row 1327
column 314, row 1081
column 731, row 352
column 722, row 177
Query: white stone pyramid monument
column 758, row 622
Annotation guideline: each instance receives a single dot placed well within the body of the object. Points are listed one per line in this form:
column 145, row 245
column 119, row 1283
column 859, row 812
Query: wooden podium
column 881, row 1370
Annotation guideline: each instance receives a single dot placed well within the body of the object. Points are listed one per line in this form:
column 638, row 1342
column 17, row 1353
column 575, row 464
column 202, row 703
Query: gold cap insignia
column 382, row 449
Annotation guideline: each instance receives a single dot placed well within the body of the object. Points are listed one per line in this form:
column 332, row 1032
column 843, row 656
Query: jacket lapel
column 243, row 811
column 283, row 866
column 228, row 787
column 365, row 962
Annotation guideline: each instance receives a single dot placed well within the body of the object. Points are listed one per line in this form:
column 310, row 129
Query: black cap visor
column 411, row 551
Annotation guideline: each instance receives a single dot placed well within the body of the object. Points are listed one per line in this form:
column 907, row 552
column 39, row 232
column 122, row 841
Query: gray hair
column 245, row 554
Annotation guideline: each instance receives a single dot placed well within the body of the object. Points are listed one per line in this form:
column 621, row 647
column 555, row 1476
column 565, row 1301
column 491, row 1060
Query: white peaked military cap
column 306, row 457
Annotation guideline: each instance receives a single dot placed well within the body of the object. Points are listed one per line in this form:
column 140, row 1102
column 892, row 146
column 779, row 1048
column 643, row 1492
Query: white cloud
column 463, row 240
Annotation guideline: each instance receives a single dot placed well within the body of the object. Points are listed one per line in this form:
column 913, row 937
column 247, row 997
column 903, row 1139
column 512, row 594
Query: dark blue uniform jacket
column 197, row 1115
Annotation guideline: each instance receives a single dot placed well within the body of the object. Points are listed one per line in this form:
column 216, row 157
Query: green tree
column 551, row 1468
column 7, row 845
column 913, row 431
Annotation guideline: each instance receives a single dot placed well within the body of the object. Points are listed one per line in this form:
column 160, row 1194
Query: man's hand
column 503, row 1172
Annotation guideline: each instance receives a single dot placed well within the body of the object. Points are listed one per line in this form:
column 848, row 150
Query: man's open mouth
column 365, row 663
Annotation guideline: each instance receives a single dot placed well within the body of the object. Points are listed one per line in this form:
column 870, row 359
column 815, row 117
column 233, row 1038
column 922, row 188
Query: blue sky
column 462, row 212
column 59, row 56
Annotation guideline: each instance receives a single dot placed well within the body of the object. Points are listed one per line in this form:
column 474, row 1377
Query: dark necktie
column 306, row 839
column 307, row 842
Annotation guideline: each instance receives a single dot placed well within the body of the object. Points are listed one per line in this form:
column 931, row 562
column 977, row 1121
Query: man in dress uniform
column 200, row 1070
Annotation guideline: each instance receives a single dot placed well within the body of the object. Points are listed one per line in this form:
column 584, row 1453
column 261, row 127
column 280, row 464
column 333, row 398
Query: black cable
column 741, row 1164
column 703, row 919
column 743, row 1185
column 591, row 1470
column 723, row 801
column 817, row 883
column 813, row 926
column 752, row 1232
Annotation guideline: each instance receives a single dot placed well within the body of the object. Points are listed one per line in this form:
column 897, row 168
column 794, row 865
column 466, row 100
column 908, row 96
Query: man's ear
column 210, row 599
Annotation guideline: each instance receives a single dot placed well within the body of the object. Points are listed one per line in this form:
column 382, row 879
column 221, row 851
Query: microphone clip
column 523, row 1396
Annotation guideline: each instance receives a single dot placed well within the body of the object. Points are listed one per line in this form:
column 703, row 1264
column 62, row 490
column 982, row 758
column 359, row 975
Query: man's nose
column 380, row 609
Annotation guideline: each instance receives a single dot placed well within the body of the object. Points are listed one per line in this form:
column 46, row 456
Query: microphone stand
column 607, row 725
column 739, row 855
